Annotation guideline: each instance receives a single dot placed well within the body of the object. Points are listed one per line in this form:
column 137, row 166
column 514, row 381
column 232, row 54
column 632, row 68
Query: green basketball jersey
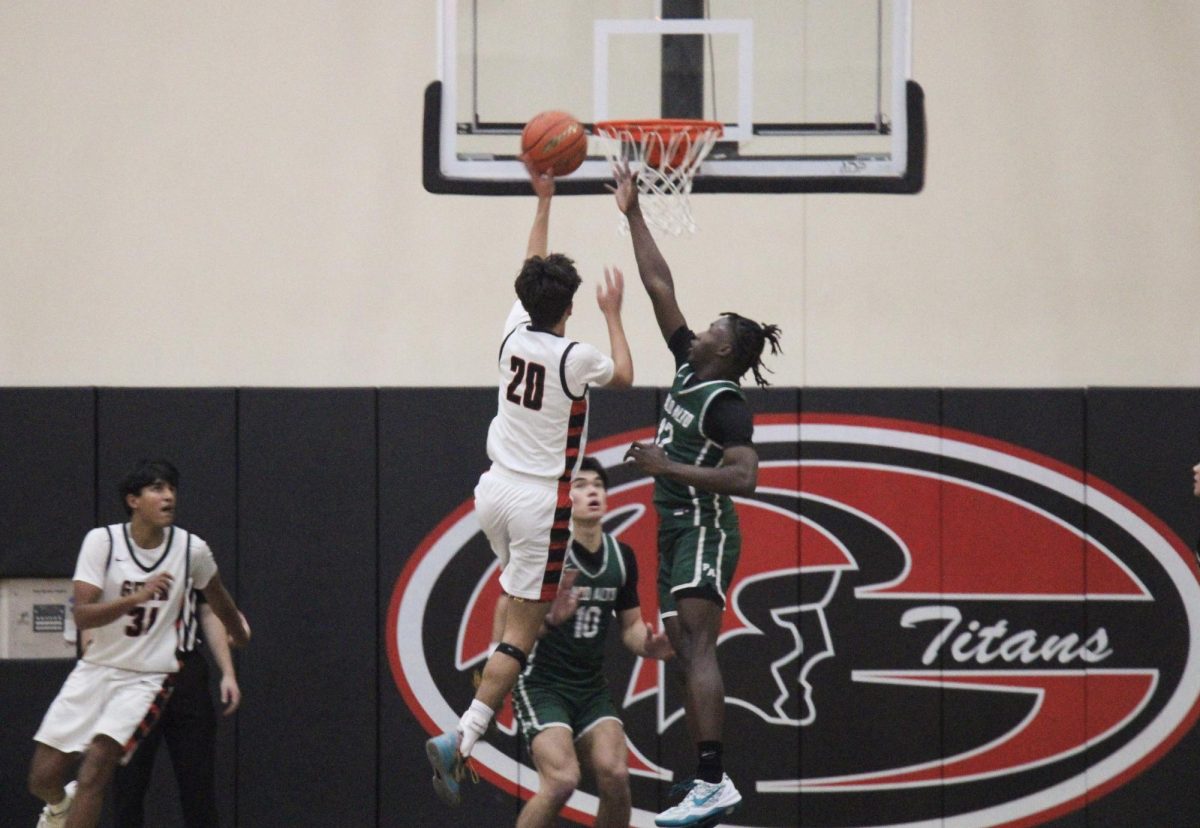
column 681, row 435
column 572, row 654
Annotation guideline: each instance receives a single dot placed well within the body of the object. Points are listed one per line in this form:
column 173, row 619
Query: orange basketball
column 554, row 141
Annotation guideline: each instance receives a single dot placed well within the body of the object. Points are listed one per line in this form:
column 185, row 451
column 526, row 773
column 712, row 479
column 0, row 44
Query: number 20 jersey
column 146, row 638
column 540, row 427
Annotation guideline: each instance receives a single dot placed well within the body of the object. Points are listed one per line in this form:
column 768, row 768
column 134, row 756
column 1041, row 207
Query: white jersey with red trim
column 147, row 637
column 540, row 426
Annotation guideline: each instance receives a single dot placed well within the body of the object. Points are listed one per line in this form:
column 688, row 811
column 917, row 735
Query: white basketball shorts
column 527, row 521
column 97, row 700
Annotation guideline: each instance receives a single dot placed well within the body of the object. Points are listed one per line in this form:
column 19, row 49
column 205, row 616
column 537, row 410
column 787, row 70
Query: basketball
column 554, row 141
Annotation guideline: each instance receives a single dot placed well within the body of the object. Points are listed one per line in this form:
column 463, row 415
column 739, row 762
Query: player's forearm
column 218, row 642
column 223, row 607
column 622, row 357
column 727, row 480
column 539, row 234
column 99, row 614
column 652, row 267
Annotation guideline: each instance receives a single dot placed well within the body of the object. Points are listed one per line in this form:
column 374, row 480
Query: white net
column 665, row 156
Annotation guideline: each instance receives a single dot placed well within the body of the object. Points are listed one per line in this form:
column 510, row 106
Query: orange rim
column 663, row 127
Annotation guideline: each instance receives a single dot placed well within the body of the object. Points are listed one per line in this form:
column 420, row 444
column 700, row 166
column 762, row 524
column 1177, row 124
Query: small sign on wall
column 36, row 619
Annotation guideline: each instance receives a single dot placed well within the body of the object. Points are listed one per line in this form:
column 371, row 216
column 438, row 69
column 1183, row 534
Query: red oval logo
column 895, row 579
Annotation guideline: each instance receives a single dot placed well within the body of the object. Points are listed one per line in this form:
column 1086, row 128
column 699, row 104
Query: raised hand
column 565, row 601
column 625, row 188
column 543, row 181
column 610, row 294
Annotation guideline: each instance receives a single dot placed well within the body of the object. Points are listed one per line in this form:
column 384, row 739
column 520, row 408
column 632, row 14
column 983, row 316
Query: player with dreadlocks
column 702, row 456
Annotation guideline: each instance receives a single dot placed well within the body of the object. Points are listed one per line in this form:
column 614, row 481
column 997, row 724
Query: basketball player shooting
column 702, row 455
column 535, row 443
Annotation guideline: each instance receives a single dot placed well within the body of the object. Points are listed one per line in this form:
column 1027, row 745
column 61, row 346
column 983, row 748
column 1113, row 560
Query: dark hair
column 591, row 464
column 749, row 337
column 546, row 287
column 147, row 473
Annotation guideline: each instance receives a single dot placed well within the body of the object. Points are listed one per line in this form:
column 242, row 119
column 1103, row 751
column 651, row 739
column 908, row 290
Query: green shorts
column 539, row 706
column 695, row 558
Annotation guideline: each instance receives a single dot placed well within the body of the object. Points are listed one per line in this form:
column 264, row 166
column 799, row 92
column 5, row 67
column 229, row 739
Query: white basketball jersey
column 540, row 426
column 147, row 637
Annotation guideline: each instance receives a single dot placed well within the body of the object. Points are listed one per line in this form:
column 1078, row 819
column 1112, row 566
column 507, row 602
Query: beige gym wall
column 230, row 194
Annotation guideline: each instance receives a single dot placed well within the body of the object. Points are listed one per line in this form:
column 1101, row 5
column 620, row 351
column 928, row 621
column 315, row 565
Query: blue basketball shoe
column 449, row 767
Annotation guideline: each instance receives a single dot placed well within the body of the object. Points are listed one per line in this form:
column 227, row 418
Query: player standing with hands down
column 131, row 586
column 702, row 455
column 535, row 443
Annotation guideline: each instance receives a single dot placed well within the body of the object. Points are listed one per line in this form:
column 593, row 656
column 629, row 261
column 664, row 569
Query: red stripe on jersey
column 574, row 437
column 560, row 533
column 152, row 715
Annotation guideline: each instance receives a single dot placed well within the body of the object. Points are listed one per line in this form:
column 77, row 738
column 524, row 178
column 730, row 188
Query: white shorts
column 527, row 520
column 97, row 700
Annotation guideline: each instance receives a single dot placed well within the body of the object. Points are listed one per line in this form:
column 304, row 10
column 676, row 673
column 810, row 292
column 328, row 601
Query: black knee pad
column 512, row 652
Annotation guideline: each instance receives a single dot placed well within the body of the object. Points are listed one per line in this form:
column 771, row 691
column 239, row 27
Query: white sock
column 472, row 725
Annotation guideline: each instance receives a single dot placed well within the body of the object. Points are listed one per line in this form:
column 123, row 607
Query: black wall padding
column 836, row 725
column 317, row 501
column 1050, row 422
column 1146, row 440
column 47, row 478
column 196, row 429
column 307, row 525
column 432, row 449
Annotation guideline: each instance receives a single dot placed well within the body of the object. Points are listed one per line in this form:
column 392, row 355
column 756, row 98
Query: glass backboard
column 814, row 95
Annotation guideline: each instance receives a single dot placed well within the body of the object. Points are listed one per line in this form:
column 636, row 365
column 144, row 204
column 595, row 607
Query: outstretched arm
column 609, row 296
column 652, row 267
column 539, row 234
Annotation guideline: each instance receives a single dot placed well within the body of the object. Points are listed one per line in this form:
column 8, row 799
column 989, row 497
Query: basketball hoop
column 665, row 155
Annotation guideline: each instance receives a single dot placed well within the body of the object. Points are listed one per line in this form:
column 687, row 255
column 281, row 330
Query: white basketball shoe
column 704, row 801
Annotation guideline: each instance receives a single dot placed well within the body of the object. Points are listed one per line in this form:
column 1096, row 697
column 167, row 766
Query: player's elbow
column 622, row 375
column 745, row 481
column 83, row 620
column 621, row 378
column 744, row 491
column 660, row 288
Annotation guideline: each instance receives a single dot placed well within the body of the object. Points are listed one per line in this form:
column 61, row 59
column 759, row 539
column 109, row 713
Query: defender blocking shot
column 703, row 454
